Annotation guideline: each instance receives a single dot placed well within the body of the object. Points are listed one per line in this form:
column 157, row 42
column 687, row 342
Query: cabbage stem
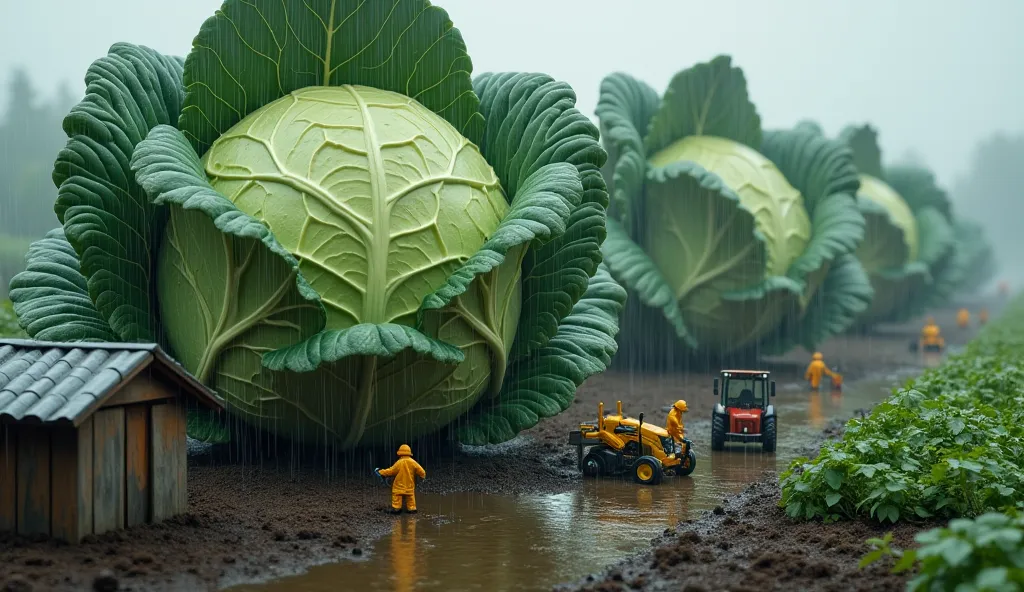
column 364, row 400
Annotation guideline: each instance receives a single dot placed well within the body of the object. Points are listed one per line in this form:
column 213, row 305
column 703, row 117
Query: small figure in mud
column 1004, row 288
column 674, row 425
column 931, row 338
column 817, row 368
column 405, row 470
column 983, row 316
column 963, row 318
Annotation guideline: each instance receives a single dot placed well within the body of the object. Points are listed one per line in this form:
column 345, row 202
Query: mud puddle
column 473, row 541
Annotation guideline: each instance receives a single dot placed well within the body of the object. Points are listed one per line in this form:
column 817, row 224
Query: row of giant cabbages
column 740, row 239
column 324, row 217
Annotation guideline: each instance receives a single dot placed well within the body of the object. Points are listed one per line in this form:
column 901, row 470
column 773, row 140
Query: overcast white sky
column 934, row 76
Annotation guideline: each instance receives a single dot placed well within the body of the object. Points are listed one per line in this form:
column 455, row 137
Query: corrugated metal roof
column 59, row 382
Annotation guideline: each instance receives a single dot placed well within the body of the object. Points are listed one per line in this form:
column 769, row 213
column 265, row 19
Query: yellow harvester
column 619, row 444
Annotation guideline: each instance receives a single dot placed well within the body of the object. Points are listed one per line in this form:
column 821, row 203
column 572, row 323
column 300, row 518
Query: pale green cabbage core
column 777, row 206
column 378, row 197
column 900, row 215
column 704, row 243
column 380, row 200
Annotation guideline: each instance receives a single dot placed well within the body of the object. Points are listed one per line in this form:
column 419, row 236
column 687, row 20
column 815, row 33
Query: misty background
column 940, row 81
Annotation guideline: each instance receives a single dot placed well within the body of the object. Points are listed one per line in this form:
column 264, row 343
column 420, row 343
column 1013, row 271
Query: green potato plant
column 947, row 445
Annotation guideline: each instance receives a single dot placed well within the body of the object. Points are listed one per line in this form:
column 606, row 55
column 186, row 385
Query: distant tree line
column 30, row 138
column 992, row 192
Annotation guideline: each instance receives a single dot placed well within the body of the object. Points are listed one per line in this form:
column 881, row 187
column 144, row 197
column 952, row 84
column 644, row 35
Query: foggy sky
column 933, row 76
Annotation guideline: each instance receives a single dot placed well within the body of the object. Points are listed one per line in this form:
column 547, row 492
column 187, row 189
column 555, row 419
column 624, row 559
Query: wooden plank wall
column 8, row 464
column 108, row 470
column 33, row 480
column 126, row 465
column 137, row 453
column 65, row 508
column 169, row 460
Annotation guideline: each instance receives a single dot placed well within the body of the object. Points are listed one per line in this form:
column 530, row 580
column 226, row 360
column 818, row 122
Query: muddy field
column 258, row 519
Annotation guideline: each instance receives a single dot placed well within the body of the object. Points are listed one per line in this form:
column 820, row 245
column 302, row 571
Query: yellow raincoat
column 674, row 425
column 963, row 318
column 405, row 470
column 816, row 369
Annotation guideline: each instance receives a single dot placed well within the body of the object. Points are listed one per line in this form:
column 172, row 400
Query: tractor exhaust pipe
column 618, row 408
column 600, row 416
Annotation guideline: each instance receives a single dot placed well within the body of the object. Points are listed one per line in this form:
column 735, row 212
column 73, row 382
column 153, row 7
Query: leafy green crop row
column 984, row 554
column 948, row 444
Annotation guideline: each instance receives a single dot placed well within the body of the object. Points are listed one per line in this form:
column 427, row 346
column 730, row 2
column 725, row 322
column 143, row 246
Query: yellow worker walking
column 963, row 318
column 405, row 470
column 674, row 426
column 931, row 338
column 816, row 369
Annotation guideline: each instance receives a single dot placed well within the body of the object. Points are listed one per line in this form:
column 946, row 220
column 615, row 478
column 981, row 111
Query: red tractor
column 744, row 413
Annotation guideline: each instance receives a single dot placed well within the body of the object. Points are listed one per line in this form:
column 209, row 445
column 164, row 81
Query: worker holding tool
column 405, row 470
column 963, row 318
column 816, row 369
column 983, row 316
column 674, row 425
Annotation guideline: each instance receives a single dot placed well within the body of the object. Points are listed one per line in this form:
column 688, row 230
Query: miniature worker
column 674, row 425
column 816, row 369
column 983, row 316
column 931, row 334
column 405, row 470
column 1004, row 288
column 963, row 318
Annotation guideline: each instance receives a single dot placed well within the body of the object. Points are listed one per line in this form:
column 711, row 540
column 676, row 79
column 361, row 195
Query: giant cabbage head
column 908, row 246
column 325, row 219
column 736, row 237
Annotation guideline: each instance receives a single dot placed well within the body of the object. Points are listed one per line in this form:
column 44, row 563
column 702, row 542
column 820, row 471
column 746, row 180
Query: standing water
column 474, row 541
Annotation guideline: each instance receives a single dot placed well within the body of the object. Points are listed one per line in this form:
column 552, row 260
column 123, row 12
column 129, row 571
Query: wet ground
column 474, row 541
column 514, row 515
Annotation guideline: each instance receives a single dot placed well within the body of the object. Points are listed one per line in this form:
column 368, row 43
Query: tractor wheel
column 688, row 465
column 647, row 470
column 717, row 431
column 593, row 464
column 768, row 434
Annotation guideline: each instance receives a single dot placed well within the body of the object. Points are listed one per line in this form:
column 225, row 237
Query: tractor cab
column 744, row 412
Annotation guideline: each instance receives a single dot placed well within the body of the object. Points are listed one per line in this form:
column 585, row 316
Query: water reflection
column 403, row 554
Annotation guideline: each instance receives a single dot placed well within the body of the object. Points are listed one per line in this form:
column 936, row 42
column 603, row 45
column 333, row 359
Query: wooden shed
column 92, row 436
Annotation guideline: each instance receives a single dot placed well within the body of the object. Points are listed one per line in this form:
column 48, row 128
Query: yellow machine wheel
column 647, row 470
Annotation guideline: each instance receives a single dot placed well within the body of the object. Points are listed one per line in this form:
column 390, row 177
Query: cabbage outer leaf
column 719, row 272
column 625, row 106
column 540, row 212
column 843, row 296
column 629, row 264
column 107, row 217
column 823, row 171
column 51, row 297
column 545, row 383
column 228, row 291
column 252, row 52
column 709, row 99
column 532, row 122
column 863, row 142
